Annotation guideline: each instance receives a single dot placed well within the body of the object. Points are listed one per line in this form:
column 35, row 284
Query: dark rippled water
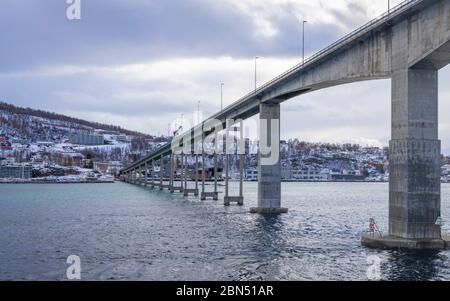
column 125, row 232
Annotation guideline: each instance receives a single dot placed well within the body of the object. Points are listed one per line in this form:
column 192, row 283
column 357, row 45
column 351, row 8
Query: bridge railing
column 395, row 10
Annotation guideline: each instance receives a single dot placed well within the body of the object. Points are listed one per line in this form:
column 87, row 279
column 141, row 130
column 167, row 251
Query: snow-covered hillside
column 32, row 135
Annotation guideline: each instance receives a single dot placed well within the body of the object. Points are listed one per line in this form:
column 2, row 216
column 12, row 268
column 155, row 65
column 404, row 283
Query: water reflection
column 266, row 246
column 413, row 265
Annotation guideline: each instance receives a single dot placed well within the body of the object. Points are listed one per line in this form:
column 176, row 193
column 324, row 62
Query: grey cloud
column 116, row 31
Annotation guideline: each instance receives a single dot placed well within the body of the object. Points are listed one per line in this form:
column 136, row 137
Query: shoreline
column 112, row 182
column 52, row 182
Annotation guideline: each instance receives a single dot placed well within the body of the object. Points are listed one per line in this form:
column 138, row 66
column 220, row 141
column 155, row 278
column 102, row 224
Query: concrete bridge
column 408, row 44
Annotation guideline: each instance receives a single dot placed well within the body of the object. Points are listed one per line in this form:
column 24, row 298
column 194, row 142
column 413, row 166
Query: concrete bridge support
column 237, row 199
column 146, row 174
column 269, row 164
column 152, row 175
column 173, row 173
column 185, row 174
column 187, row 190
column 216, row 171
column 171, row 166
column 204, row 195
column 182, row 173
column 414, row 163
column 415, row 187
column 135, row 178
column 196, row 176
column 138, row 176
column 161, row 172
column 214, row 195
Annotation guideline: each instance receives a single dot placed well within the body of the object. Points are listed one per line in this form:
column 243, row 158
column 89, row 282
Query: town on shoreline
column 43, row 147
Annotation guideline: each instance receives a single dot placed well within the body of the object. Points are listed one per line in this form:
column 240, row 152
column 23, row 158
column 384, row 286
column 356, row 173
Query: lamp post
column 256, row 59
column 182, row 122
column 221, row 96
column 303, row 41
column 198, row 112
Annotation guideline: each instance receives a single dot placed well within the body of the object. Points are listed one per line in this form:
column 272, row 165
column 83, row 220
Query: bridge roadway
column 409, row 44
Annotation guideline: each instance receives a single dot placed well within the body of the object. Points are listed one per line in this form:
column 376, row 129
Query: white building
column 311, row 174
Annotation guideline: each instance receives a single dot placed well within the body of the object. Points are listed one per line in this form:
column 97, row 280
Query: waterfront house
column 15, row 172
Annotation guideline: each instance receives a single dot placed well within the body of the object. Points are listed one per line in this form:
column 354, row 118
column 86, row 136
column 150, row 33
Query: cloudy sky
column 142, row 63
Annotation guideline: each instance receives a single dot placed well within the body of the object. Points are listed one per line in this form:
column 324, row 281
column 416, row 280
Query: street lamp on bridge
column 256, row 59
column 198, row 112
column 303, row 41
column 221, row 96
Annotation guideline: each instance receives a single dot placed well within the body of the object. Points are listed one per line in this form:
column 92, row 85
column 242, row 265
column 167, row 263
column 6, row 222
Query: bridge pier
column 141, row 177
column 235, row 199
column 184, row 179
column 138, row 175
column 181, row 188
column 161, row 172
column 414, row 163
column 187, row 190
column 171, row 165
column 269, row 164
column 196, row 175
column 214, row 194
column 178, row 188
column 146, row 174
column 203, row 196
column 152, row 175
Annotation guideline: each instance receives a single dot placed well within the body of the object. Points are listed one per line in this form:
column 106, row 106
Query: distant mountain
column 37, row 125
